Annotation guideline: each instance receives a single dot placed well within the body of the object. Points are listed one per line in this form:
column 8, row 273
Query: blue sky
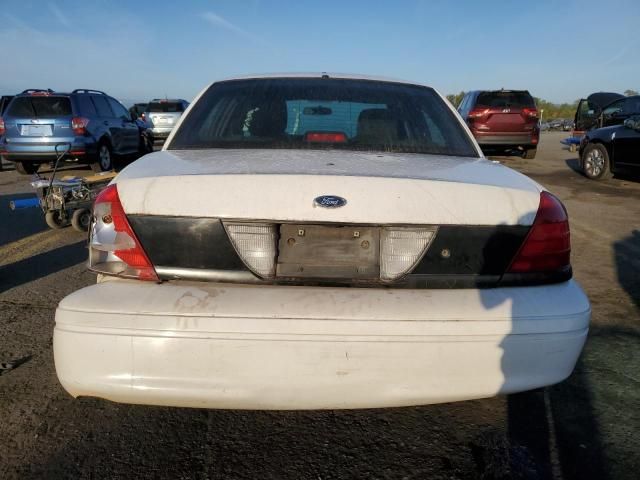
column 559, row 50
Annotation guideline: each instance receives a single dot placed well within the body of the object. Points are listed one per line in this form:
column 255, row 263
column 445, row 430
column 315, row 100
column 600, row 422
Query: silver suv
column 163, row 114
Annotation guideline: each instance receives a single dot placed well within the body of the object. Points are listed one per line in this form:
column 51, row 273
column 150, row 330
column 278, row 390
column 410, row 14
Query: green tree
column 455, row 99
column 630, row 93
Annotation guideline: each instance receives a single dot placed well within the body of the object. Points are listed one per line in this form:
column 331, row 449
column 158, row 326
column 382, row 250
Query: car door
column 587, row 115
column 129, row 134
column 107, row 121
column 626, row 144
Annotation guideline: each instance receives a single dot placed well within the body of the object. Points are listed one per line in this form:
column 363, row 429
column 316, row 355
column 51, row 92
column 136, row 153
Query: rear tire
column 104, row 159
column 27, row 168
column 81, row 219
column 54, row 220
column 530, row 154
column 595, row 162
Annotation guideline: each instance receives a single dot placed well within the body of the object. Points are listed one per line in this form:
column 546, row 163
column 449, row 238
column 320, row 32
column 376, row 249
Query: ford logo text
column 329, row 201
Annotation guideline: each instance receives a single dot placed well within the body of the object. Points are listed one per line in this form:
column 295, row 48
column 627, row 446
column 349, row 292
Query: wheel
column 595, row 162
column 530, row 154
column 81, row 219
column 27, row 168
column 104, row 161
column 54, row 220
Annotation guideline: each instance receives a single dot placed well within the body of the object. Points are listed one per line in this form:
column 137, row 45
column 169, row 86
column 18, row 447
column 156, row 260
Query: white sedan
column 321, row 241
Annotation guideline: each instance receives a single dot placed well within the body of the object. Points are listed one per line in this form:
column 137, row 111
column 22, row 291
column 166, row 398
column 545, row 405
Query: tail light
column 79, row 125
column 325, row 137
column 2, row 130
column 530, row 112
column 114, row 248
column 401, row 248
column 256, row 243
column 547, row 247
column 478, row 113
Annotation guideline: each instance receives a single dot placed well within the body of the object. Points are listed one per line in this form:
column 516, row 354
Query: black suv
column 90, row 124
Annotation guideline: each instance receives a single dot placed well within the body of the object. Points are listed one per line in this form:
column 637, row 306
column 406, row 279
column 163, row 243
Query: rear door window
column 506, row 99
column 40, row 107
column 165, row 107
column 86, row 106
column 118, row 108
column 102, row 106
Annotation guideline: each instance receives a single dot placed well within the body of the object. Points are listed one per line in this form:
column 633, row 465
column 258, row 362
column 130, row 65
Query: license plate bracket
column 329, row 252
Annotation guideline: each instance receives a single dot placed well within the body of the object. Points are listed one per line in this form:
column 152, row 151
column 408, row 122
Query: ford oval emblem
column 329, row 201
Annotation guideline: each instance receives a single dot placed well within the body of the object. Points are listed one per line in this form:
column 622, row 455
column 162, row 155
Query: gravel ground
column 585, row 427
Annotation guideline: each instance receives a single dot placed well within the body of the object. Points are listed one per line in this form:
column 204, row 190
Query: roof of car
column 348, row 76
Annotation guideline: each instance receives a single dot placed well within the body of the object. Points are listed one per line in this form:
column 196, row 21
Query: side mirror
column 633, row 123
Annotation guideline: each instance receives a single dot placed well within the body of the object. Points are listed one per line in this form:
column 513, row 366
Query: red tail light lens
column 114, row 248
column 530, row 112
column 79, row 125
column 478, row 113
column 2, row 130
column 547, row 247
column 325, row 137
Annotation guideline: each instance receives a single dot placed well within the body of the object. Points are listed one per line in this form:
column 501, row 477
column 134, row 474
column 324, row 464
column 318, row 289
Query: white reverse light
column 401, row 248
column 256, row 244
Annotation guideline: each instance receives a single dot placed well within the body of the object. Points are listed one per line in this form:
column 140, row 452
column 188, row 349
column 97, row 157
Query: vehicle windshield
column 506, row 98
column 43, row 107
column 316, row 113
column 165, row 107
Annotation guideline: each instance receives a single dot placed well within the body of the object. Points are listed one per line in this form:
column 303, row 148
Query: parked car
column 609, row 150
column 4, row 102
column 556, row 124
column 321, row 241
column 589, row 112
column 503, row 121
column 94, row 126
column 163, row 115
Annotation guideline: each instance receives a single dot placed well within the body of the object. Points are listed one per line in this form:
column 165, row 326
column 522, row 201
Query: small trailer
column 66, row 201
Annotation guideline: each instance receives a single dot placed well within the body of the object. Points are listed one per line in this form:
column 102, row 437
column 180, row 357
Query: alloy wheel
column 594, row 163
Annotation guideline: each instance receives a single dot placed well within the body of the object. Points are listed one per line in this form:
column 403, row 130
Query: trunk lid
column 39, row 118
column 281, row 185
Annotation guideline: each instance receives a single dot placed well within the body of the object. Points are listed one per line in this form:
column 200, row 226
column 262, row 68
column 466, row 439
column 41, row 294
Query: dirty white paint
column 281, row 185
column 278, row 347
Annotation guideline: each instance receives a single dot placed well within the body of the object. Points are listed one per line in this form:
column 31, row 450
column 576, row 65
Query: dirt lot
column 586, row 427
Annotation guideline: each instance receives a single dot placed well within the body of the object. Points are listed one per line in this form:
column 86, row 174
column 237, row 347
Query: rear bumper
column 46, row 151
column 276, row 347
column 161, row 133
column 506, row 139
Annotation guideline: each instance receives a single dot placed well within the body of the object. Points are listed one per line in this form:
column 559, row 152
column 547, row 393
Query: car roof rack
column 34, row 90
column 87, row 90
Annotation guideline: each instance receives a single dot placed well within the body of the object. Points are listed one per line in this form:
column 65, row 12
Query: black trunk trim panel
column 472, row 250
column 186, row 242
column 461, row 256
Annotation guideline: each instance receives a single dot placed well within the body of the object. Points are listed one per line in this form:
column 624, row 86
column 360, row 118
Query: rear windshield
column 45, row 107
column 505, row 98
column 165, row 107
column 323, row 113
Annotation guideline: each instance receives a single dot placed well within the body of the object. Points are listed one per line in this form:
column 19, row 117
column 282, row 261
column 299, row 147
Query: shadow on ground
column 21, row 223
column 41, row 265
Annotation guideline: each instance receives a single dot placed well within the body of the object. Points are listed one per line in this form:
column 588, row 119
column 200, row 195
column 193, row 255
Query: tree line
column 551, row 110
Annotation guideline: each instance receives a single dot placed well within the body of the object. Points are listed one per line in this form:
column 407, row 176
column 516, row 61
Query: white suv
column 321, row 241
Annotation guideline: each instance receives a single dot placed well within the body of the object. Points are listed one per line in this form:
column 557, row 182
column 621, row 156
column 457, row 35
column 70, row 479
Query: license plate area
column 331, row 252
column 36, row 130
